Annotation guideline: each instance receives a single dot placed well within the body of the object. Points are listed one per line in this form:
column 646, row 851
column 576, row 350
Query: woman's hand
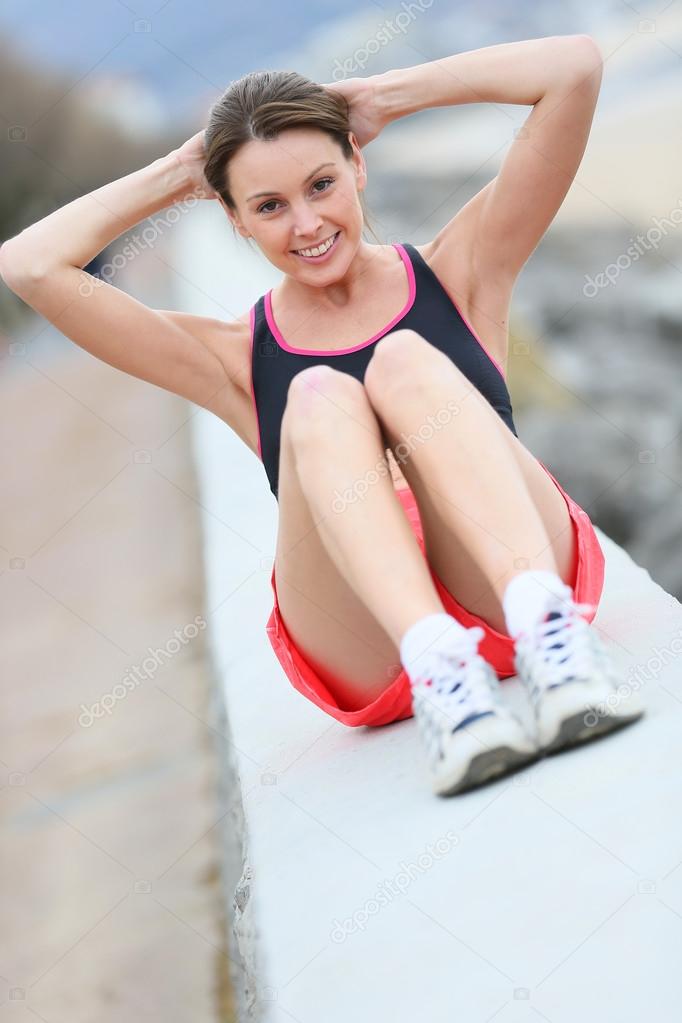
column 367, row 112
column 192, row 157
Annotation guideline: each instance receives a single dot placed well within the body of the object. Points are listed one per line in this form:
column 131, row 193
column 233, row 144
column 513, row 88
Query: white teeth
column 319, row 249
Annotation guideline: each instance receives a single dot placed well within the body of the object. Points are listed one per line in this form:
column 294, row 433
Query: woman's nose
column 307, row 223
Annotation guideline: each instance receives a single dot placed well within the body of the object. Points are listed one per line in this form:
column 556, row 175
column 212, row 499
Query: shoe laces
column 459, row 682
column 561, row 648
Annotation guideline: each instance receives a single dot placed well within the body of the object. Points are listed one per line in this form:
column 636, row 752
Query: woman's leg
column 350, row 575
column 488, row 509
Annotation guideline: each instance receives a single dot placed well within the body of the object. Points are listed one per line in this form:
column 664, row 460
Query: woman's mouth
column 323, row 250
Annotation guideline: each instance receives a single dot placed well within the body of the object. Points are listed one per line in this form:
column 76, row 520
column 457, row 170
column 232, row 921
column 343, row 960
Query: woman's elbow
column 18, row 268
column 588, row 56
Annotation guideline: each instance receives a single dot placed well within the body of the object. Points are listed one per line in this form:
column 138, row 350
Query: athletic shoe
column 469, row 734
column 570, row 678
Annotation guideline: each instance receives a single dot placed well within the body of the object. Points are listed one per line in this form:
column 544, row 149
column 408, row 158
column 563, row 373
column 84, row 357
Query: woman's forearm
column 521, row 72
column 74, row 234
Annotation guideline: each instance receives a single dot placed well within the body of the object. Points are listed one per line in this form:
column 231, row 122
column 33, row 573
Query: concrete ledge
column 359, row 895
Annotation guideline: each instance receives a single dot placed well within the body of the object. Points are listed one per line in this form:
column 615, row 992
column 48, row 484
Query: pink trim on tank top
column 252, row 320
column 344, row 351
column 477, row 338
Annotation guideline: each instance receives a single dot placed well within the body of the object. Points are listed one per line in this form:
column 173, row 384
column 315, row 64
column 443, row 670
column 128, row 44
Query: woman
column 386, row 580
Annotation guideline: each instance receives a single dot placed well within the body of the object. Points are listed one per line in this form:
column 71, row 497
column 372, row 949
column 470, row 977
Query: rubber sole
column 486, row 766
column 574, row 731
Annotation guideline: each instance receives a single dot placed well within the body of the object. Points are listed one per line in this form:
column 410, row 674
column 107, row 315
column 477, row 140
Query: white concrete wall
column 553, row 894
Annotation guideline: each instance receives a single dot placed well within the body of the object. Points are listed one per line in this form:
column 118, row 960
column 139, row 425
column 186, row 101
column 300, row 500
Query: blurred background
column 115, row 903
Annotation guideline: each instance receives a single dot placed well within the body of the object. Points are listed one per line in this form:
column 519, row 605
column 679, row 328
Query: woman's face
column 295, row 192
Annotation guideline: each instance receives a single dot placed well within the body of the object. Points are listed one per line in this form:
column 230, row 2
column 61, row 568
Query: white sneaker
column 469, row 733
column 571, row 679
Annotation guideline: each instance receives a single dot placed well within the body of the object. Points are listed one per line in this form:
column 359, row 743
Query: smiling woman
column 356, row 349
column 261, row 108
column 382, row 593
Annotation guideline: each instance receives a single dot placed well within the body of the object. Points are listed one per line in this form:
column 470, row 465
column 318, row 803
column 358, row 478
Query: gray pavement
column 110, row 859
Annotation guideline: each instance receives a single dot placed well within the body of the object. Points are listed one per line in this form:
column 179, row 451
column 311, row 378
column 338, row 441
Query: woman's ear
column 232, row 218
column 358, row 162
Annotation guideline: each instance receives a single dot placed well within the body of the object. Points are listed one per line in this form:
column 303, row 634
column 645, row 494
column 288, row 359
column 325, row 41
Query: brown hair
column 260, row 105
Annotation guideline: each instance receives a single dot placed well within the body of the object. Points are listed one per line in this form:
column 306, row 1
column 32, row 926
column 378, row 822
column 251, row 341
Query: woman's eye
column 320, row 181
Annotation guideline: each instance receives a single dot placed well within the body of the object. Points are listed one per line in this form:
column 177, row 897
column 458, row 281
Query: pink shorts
column 395, row 702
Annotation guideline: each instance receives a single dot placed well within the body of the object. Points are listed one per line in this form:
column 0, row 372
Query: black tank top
column 429, row 310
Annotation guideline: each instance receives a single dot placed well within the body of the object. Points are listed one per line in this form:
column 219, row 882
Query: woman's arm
column 520, row 72
column 43, row 266
column 560, row 77
column 74, row 234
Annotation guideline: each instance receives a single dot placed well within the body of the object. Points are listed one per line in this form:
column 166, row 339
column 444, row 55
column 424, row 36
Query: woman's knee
column 403, row 359
column 318, row 398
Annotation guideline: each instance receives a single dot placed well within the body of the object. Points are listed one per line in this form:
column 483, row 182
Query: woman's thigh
column 332, row 628
column 406, row 362
column 457, row 569
column 551, row 505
